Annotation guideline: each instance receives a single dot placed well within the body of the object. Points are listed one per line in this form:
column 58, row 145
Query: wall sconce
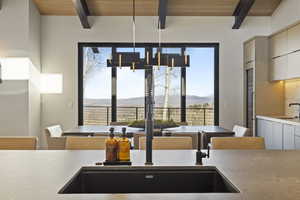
column 15, row 68
column 51, row 83
column 0, row 73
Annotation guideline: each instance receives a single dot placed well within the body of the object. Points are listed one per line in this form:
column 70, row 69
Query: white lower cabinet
column 297, row 142
column 297, row 138
column 279, row 135
column 288, row 137
column 272, row 132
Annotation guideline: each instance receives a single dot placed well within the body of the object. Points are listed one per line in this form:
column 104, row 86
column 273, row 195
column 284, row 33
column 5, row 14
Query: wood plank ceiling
column 150, row 7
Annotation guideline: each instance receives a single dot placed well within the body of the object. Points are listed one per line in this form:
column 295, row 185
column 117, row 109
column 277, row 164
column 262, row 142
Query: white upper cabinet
column 279, row 68
column 285, row 54
column 293, row 69
column 279, row 44
column 250, row 51
column 294, row 38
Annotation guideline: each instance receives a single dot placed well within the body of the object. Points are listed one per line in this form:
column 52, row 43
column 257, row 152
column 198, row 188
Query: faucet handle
column 208, row 151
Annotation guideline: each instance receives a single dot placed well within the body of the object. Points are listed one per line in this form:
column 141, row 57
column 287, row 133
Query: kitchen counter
column 34, row 175
column 281, row 119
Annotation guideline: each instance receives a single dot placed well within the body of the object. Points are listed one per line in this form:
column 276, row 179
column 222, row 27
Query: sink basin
column 120, row 180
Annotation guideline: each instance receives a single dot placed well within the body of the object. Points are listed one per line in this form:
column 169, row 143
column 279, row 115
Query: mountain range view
column 174, row 101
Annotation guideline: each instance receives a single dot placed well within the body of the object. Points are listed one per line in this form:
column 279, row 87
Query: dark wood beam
column 162, row 13
column 95, row 50
column 82, row 12
column 241, row 12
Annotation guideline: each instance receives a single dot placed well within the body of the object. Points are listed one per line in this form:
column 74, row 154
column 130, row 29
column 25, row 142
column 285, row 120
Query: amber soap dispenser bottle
column 124, row 147
column 111, row 147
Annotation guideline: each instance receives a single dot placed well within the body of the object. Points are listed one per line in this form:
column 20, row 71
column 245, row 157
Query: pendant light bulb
column 147, row 57
column 133, row 66
column 173, row 63
column 158, row 59
column 120, row 61
column 185, row 58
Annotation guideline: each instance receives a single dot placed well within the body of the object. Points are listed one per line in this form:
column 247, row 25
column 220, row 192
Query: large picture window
column 189, row 95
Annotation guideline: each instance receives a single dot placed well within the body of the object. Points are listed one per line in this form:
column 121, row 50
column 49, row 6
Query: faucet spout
column 296, row 104
column 149, row 124
column 199, row 154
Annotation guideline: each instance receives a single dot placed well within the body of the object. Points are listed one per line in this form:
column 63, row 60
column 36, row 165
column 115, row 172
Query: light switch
column 70, row 104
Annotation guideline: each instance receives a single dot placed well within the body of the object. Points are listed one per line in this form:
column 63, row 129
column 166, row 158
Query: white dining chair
column 54, row 138
column 241, row 131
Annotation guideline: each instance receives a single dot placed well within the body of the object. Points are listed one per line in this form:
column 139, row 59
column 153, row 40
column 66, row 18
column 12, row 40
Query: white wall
column 292, row 95
column 14, row 28
column 287, row 13
column 20, row 30
column 34, row 84
column 20, row 37
column 14, row 108
column 34, row 39
column 60, row 36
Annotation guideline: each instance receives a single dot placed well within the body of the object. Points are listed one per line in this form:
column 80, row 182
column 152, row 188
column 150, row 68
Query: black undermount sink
column 124, row 180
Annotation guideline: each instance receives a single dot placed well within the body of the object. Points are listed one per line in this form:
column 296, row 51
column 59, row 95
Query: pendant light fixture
column 0, row 73
column 133, row 60
column 128, row 59
column 168, row 59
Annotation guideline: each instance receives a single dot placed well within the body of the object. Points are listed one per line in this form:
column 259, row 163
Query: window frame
column 216, row 46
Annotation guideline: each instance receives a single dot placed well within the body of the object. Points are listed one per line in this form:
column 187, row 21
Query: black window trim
column 82, row 45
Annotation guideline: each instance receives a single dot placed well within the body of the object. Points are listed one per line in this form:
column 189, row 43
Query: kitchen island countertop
column 281, row 119
column 34, row 175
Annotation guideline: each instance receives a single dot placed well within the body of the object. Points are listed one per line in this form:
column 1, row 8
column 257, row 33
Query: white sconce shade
column 51, row 83
column 15, row 68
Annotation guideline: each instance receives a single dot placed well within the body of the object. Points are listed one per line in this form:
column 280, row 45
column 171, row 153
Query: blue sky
column 200, row 76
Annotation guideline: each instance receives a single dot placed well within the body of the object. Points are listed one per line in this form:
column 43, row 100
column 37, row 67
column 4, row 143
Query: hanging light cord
column 159, row 34
column 133, row 25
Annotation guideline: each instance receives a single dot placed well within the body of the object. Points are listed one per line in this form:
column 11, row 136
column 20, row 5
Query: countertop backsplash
column 292, row 95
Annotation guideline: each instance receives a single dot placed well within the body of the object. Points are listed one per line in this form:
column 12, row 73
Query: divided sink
column 125, row 180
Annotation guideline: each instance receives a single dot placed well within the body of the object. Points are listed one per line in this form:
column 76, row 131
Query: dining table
column 206, row 133
column 92, row 130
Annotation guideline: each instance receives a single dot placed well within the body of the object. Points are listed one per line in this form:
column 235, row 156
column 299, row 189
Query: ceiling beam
column 82, row 12
column 241, row 11
column 162, row 13
column 95, row 50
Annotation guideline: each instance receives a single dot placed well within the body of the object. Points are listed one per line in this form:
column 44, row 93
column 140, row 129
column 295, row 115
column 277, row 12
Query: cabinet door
column 250, row 51
column 279, row 44
column 260, row 127
column 294, row 65
column 297, row 142
column 267, row 131
column 279, row 68
column 277, row 130
column 288, row 137
column 294, row 38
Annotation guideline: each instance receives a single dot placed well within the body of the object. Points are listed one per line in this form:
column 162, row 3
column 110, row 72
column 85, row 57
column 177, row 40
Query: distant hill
column 159, row 101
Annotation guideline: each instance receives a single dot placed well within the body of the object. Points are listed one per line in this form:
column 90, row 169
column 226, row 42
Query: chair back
column 167, row 143
column 55, row 131
column 54, row 138
column 85, row 143
column 241, row 131
column 18, row 143
column 243, row 143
